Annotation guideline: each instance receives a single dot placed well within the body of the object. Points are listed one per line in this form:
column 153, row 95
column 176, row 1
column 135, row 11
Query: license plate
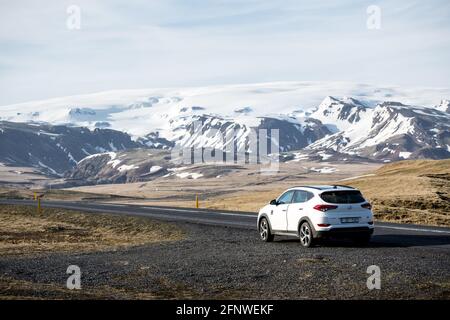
column 349, row 220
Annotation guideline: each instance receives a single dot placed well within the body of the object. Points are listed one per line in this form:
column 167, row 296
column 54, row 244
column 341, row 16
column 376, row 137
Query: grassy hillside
column 412, row 191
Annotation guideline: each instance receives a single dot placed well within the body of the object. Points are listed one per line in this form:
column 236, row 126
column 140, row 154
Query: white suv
column 311, row 212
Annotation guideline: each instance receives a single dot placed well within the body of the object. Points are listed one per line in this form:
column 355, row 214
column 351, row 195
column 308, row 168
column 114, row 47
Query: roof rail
column 312, row 187
column 332, row 186
column 343, row 186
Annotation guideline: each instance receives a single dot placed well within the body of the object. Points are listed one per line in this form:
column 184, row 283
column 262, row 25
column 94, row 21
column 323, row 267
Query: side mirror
column 274, row 202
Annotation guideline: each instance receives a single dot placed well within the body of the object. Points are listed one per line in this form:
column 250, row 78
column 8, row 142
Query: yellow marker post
column 35, row 196
column 39, row 205
column 196, row 200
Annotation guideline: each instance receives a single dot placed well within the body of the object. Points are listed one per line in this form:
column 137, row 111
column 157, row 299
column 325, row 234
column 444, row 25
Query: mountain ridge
column 367, row 124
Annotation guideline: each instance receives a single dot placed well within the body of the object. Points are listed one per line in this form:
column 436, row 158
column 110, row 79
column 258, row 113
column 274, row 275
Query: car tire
column 264, row 231
column 306, row 235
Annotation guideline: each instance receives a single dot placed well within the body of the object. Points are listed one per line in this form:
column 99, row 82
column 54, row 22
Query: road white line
column 413, row 229
column 198, row 211
column 238, row 214
column 116, row 204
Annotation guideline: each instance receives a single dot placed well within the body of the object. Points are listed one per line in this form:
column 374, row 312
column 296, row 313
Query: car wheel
column 264, row 230
column 306, row 235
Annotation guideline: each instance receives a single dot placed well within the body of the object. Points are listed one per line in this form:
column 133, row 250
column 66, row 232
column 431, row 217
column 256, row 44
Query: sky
column 178, row 43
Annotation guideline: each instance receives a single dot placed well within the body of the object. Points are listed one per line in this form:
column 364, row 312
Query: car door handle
column 284, row 210
column 300, row 208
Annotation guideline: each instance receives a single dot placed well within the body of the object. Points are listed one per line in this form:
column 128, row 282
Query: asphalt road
column 386, row 234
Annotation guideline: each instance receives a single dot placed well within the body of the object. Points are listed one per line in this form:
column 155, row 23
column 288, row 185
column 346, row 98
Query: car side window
column 286, row 197
column 301, row 196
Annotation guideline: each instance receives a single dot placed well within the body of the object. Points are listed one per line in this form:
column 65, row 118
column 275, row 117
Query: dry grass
column 13, row 289
column 23, row 231
column 251, row 202
column 18, row 289
column 56, row 194
column 413, row 191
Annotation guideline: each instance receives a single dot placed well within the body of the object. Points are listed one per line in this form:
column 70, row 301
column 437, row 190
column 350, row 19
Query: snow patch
column 47, row 167
column 112, row 156
column 325, row 156
column 112, row 146
column 154, row 169
column 324, row 169
column 192, row 175
column 176, row 169
column 114, row 163
column 72, row 158
column 404, row 154
column 125, row 167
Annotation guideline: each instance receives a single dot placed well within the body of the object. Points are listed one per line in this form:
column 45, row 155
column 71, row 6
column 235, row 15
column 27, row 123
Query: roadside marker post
column 39, row 205
column 38, row 198
column 196, row 201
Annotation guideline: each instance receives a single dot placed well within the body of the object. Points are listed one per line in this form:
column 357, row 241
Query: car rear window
column 342, row 197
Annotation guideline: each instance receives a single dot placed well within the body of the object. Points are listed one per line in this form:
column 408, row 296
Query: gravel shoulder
column 214, row 262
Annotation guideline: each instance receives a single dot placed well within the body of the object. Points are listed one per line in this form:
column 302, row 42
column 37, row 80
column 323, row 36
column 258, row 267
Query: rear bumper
column 345, row 232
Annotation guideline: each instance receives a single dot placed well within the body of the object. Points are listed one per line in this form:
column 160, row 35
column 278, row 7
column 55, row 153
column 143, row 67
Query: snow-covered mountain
column 339, row 114
column 387, row 131
column 55, row 149
column 356, row 119
column 140, row 112
column 207, row 131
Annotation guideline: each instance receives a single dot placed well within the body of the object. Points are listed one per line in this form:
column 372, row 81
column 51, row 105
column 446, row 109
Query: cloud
column 139, row 43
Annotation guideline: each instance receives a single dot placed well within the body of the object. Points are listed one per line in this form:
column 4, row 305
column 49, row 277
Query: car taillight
column 366, row 206
column 324, row 207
